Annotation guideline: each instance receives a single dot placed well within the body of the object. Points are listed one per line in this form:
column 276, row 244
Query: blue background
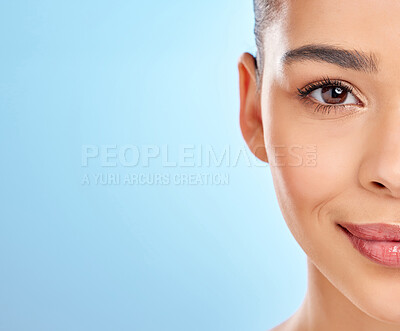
column 133, row 257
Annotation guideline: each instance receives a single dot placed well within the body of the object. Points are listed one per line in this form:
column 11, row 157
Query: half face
column 330, row 107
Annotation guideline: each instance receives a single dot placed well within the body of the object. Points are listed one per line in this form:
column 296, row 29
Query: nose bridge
column 381, row 168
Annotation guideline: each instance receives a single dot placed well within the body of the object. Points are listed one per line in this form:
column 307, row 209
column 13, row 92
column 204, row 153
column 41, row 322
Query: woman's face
column 334, row 146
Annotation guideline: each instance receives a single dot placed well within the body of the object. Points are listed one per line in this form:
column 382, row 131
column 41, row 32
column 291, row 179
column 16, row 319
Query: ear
column 250, row 107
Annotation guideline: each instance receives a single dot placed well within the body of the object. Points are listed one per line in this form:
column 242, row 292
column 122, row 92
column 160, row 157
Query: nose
column 380, row 169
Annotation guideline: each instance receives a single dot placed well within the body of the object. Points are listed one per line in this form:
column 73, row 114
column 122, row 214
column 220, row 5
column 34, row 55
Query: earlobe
column 250, row 107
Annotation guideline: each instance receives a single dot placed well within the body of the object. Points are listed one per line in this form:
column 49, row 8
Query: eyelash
column 324, row 82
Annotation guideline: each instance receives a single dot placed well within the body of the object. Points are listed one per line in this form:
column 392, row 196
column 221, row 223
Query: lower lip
column 382, row 252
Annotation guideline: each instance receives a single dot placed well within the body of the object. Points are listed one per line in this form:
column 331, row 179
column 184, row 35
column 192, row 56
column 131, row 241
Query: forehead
column 366, row 26
column 371, row 25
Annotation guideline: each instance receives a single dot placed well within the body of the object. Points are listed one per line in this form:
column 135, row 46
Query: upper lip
column 374, row 231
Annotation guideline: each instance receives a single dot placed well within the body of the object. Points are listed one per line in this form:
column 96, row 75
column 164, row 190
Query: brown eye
column 333, row 95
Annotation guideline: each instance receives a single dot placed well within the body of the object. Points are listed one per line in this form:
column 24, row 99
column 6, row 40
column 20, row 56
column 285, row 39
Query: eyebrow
column 345, row 58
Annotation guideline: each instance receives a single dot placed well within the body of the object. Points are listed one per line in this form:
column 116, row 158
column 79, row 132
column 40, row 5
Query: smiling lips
column 379, row 242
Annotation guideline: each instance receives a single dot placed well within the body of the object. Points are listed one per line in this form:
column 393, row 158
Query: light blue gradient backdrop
column 125, row 257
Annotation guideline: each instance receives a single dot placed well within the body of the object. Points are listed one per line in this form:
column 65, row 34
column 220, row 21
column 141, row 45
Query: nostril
column 379, row 185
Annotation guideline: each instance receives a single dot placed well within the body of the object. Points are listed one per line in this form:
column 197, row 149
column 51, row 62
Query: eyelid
column 326, row 81
column 343, row 109
column 340, row 111
column 350, row 95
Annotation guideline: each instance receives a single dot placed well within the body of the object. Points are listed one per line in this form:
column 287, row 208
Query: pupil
column 333, row 94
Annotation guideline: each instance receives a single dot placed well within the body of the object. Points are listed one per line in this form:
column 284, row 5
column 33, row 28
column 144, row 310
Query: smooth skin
column 356, row 177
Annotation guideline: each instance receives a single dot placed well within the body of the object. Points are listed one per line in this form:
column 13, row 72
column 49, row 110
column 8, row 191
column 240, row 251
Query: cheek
column 303, row 194
column 311, row 164
column 313, row 182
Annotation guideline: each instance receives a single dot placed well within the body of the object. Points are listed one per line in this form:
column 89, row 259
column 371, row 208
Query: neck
column 326, row 308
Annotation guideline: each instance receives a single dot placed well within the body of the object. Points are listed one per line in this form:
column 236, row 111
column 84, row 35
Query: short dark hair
column 264, row 11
